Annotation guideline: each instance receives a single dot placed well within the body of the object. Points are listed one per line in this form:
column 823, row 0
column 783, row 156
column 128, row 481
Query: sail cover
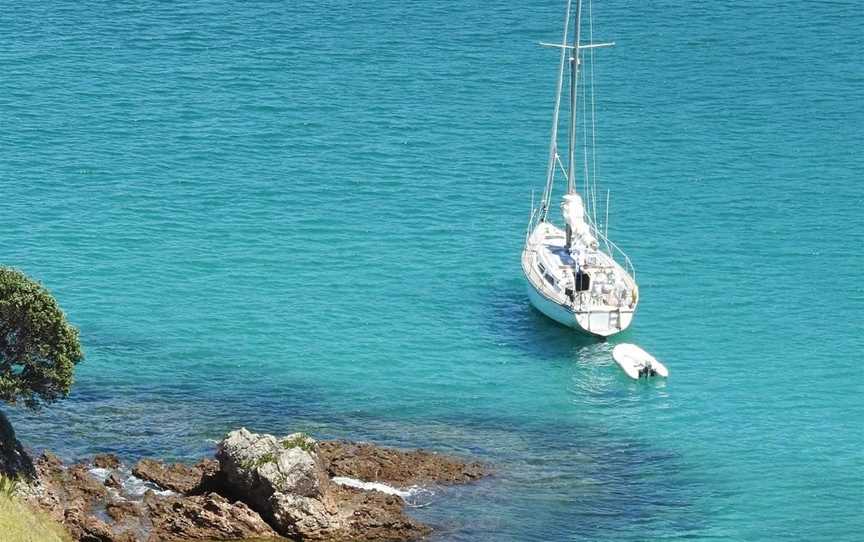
column 574, row 215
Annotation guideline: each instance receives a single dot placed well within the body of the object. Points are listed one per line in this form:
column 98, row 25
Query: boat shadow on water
column 515, row 322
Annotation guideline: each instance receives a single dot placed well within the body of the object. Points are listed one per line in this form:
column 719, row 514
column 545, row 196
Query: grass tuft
column 9, row 486
column 299, row 440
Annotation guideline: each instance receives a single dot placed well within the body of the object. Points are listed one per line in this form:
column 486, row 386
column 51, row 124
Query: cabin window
column 542, row 268
column 549, row 279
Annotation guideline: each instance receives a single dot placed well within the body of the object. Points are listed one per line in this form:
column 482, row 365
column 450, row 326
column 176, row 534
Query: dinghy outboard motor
column 647, row 370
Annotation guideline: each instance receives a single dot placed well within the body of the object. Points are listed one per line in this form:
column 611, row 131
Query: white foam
column 100, row 474
column 414, row 496
column 374, row 486
column 132, row 486
column 136, row 487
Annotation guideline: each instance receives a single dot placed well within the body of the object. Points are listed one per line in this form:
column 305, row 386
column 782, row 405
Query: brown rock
column 375, row 516
column 68, row 485
column 85, row 528
column 124, row 511
column 67, row 494
column 203, row 517
column 129, row 520
column 80, row 483
column 49, row 461
column 106, row 461
column 177, row 477
column 372, row 463
column 113, row 481
column 286, row 481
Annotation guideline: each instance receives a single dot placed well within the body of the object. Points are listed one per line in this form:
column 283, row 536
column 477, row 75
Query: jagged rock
column 49, row 461
column 306, row 518
column 285, row 480
column 71, row 494
column 376, row 516
column 87, row 528
column 260, row 465
column 129, row 519
column 176, row 477
column 282, row 479
column 203, row 517
column 78, row 481
column 124, row 511
column 113, row 481
column 67, row 495
column 372, row 463
column 106, row 461
column 68, row 484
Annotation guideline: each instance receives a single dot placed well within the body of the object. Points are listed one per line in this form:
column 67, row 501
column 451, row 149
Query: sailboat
column 572, row 273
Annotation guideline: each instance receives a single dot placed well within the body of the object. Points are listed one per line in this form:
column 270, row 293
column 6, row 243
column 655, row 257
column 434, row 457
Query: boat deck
column 552, row 269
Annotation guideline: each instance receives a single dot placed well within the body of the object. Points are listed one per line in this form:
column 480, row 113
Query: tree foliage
column 38, row 347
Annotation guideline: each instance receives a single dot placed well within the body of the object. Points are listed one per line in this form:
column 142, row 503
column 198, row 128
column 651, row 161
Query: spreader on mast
column 574, row 59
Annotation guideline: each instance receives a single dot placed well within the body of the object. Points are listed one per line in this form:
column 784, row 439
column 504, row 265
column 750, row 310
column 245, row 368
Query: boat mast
column 574, row 88
column 553, row 143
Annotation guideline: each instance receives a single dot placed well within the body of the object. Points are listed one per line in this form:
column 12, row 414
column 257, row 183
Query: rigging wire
column 594, row 135
column 587, row 189
column 553, row 145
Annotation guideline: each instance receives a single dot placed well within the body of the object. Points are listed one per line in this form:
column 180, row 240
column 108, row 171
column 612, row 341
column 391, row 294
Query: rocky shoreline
column 258, row 487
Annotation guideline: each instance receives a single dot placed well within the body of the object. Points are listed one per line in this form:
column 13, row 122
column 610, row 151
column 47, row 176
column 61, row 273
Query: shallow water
column 309, row 218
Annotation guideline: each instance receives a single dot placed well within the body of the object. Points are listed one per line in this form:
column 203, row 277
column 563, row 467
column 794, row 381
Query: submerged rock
column 106, row 461
column 113, row 480
column 373, row 463
column 124, row 511
column 88, row 528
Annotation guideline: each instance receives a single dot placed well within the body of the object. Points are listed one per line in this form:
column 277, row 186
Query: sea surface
column 308, row 216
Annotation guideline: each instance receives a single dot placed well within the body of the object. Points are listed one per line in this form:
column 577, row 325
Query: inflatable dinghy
column 637, row 362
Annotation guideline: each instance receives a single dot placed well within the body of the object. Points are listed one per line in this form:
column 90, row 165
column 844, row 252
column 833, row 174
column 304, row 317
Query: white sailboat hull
column 608, row 305
column 553, row 310
column 595, row 323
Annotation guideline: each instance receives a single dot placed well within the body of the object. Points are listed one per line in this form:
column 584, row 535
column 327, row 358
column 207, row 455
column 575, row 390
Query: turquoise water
column 310, row 216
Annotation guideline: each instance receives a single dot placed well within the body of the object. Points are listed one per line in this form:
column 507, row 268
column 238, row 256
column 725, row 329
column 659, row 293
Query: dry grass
column 20, row 523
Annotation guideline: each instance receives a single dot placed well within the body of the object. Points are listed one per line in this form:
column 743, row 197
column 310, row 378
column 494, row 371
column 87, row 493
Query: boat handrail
column 612, row 249
column 628, row 265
